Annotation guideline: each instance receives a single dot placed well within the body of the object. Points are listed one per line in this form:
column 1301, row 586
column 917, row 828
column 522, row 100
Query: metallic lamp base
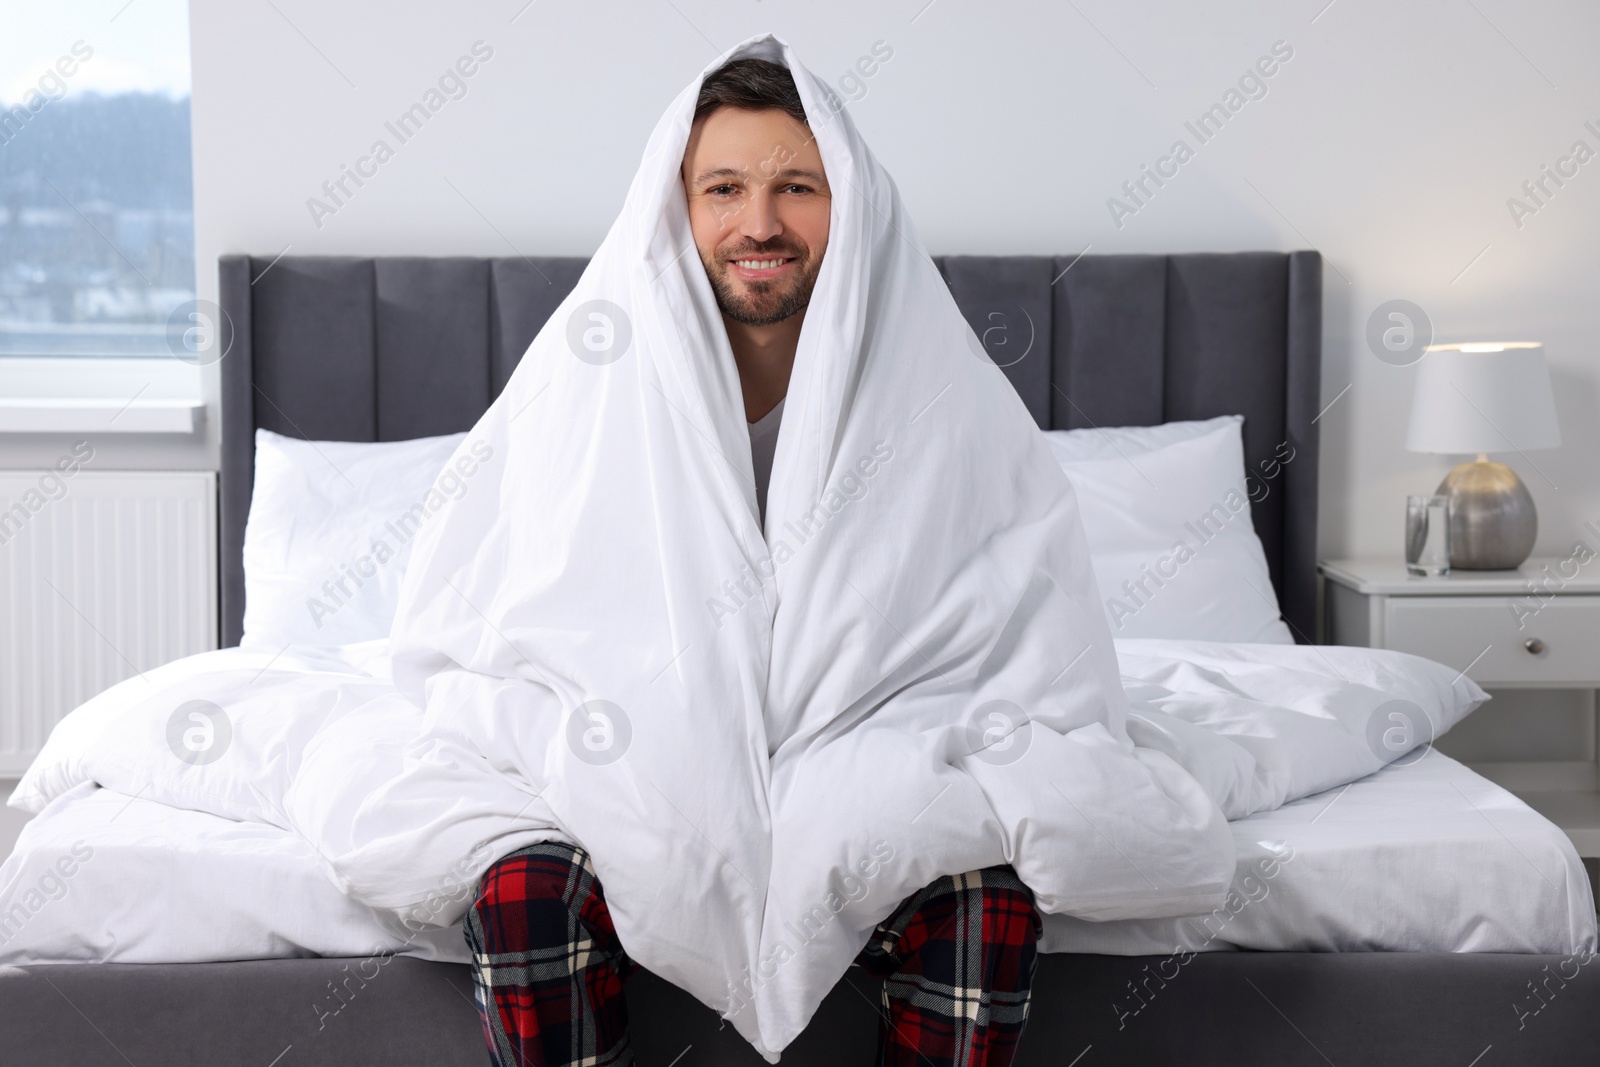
column 1492, row 520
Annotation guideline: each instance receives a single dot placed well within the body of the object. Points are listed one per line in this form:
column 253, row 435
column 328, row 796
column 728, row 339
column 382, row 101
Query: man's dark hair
column 751, row 84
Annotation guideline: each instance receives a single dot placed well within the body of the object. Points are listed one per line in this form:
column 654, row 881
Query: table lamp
column 1482, row 398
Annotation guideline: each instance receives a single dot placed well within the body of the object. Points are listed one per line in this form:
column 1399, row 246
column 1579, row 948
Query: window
column 96, row 196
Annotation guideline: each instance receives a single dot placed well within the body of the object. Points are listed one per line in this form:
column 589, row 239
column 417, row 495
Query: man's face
column 758, row 205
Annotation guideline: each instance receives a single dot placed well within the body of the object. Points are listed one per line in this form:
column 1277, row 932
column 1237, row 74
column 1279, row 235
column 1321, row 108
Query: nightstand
column 1531, row 628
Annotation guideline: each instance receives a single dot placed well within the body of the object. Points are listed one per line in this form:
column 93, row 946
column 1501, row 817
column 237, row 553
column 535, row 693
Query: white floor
column 11, row 819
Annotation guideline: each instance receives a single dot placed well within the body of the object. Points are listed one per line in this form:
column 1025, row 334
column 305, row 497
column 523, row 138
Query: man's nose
column 759, row 220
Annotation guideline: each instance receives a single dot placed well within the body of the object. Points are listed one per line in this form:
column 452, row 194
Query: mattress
column 1427, row 857
column 1422, row 857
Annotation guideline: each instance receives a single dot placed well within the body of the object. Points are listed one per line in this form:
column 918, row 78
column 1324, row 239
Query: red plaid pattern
column 957, row 959
column 547, row 968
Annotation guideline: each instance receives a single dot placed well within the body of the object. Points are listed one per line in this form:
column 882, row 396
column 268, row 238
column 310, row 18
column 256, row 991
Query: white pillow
column 1114, row 442
column 1167, row 514
column 330, row 531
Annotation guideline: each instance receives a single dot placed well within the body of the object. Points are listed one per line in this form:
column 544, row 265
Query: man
column 958, row 957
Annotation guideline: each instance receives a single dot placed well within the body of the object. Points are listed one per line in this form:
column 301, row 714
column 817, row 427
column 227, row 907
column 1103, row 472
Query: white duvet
column 301, row 720
column 766, row 738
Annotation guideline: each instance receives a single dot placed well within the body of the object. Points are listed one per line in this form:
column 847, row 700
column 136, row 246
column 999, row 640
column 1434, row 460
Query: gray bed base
column 385, row 349
column 1222, row 1009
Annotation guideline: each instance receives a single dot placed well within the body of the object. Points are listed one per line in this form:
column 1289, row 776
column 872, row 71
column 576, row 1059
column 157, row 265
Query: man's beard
column 762, row 303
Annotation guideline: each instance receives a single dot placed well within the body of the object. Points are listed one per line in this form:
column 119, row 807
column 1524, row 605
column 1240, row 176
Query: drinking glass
column 1428, row 535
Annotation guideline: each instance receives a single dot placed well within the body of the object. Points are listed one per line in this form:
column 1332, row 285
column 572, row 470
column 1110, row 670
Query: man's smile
column 756, row 269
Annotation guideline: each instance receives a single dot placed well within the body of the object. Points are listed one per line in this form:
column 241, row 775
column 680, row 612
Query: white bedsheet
column 1421, row 857
column 99, row 876
column 1427, row 857
column 1256, row 724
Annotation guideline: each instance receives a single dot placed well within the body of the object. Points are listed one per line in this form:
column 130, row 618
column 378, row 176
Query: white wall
column 1390, row 141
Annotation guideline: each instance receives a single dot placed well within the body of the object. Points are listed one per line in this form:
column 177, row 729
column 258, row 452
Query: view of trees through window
column 96, row 198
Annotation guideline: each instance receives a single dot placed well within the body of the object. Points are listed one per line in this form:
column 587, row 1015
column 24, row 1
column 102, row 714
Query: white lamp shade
column 1482, row 397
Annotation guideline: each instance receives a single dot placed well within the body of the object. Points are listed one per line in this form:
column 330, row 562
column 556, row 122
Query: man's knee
column 537, row 871
column 1008, row 909
column 534, row 893
column 991, row 907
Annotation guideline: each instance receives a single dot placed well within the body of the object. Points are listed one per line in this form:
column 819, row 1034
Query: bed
column 356, row 349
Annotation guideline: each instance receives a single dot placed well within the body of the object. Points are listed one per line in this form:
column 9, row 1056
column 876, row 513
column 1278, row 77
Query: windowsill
column 118, row 396
column 88, row 415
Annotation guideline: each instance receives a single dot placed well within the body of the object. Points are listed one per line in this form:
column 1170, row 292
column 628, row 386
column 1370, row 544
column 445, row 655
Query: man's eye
column 800, row 188
column 720, row 190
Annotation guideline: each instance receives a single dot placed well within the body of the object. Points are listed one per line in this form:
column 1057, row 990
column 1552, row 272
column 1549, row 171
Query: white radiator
column 103, row 575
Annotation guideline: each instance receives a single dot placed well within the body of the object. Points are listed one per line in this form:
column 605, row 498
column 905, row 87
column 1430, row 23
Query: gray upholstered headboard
column 383, row 349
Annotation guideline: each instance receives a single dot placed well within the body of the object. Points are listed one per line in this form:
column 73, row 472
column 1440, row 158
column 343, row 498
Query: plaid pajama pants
column 957, row 959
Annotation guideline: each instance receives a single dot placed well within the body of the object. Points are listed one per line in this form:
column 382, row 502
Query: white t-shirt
column 763, row 445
